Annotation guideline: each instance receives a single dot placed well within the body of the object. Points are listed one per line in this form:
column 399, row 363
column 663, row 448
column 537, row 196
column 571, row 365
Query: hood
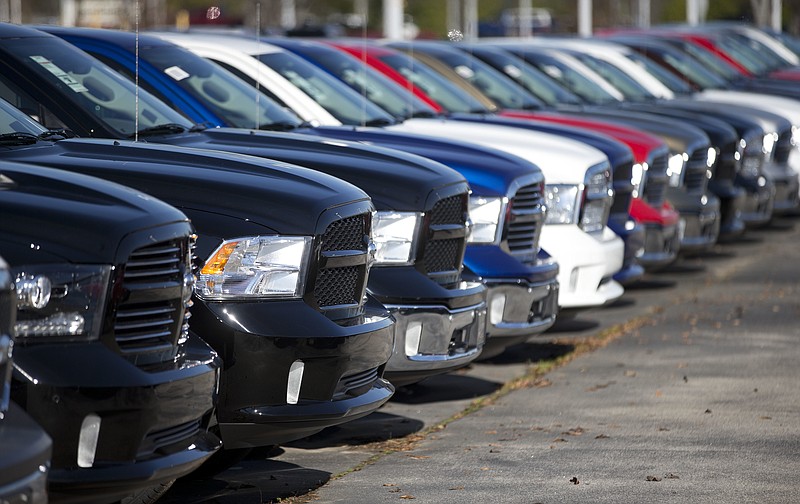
column 616, row 152
column 561, row 160
column 275, row 196
column 490, row 172
column 56, row 216
column 394, row 180
column 786, row 107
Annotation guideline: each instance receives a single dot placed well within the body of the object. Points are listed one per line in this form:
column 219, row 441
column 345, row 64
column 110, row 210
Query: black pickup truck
column 420, row 227
column 24, row 447
column 103, row 360
column 283, row 256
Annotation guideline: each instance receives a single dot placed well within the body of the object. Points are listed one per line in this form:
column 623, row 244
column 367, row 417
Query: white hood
column 562, row 160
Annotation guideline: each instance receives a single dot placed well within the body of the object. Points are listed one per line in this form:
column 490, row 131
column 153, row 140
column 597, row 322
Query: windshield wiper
column 378, row 122
column 278, row 126
column 201, row 126
column 161, row 129
column 18, row 138
column 54, row 135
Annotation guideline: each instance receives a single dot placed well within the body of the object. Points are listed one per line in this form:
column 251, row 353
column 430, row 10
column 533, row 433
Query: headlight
column 597, row 199
column 769, row 143
column 638, row 173
column 675, row 168
column 256, row 266
column 795, row 135
column 712, row 157
column 562, row 203
column 394, row 234
column 60, row 302
column 486, row 216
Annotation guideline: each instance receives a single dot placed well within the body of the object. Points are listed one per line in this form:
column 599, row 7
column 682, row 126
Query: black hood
column 53, row 215
column 394, row 180
column 278, row 197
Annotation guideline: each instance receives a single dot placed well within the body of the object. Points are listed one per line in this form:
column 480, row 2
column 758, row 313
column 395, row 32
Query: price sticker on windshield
column 60, row 74
column 177, row 73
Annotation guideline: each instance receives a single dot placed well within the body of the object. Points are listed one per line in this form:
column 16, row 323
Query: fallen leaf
column 493, row 450
column 658, row 393
column 574, row 480
column 418, row 457
column 653, row 478
column 407, row 497
column 394, row 490
column 685, row 379
column 575, row 431
column 484, row 468
column 602, row 436
column 707, row 411
column 559, row 440
column 457, row 488
column 630, row 373
column 663, row 429
column 390, row 484
column 490, row 432
column 766, row 418
column 672, row 476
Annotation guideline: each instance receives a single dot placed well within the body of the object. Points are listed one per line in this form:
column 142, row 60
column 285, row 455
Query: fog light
column 295, row 381
column 87, row 441
column 413, row 336
column 498, row 308
column 573, row 279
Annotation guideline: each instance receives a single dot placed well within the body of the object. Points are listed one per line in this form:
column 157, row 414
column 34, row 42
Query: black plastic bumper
column 24, row 458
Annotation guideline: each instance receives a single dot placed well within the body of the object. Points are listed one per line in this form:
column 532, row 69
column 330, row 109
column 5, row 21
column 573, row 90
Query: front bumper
column 586, row 265
column 786, row 183
column 152, row 422
column 24, row 459
column 662, row 244
column 731, row 201
column 633, row 235
column 289, row 371
column 759, row 200
column 700, row 222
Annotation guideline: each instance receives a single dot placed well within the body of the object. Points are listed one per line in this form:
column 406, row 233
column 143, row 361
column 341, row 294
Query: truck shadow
column 375, row 427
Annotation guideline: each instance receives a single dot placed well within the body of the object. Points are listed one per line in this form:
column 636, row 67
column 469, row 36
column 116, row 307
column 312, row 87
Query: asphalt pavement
column 685, row 390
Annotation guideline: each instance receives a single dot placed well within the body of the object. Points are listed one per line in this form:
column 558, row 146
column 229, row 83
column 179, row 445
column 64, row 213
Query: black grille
column 338, row 286
column 783, row 147
column 623, row 189
column 728, row 164
column 655, row 182
column 695, row 179
column 156, row 263
column 5, row 371
column 345, row 234
column 164, row 438
column 150, row 318
column 526, row 220
column 139, row 327
column 448, row 211
column 354, row 383
column 443, row 255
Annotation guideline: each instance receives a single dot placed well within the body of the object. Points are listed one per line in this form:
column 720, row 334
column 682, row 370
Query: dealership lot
column 693, row 399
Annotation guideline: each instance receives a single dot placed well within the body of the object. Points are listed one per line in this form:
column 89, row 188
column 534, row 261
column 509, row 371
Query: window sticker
column 177, row 73
column 60, row 74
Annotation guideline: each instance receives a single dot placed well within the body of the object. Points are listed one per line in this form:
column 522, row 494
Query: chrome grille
column 526, row 221
column 695, row 180
column 353, row 383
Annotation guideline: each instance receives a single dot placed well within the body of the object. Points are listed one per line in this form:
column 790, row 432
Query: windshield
column 743, row 54
column 618, row 78
column 92, row 86
column 526, row 76
column 334, row 96
column 15, row 121
column 448, row 95
column 666, row 77
column 237, row 103
column 711, row 61
column 558, row 70
column 488, row 81
column 693, row 70
column 368, row 82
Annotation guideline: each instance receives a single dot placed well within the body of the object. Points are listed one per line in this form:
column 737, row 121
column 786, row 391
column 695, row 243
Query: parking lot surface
column 685, row 390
